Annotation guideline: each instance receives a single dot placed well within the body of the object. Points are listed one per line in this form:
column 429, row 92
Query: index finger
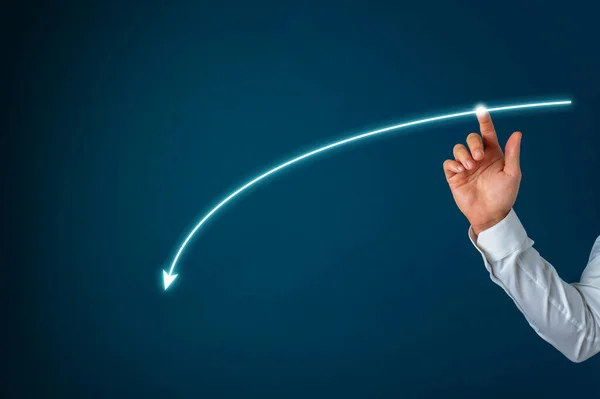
column 487, row 127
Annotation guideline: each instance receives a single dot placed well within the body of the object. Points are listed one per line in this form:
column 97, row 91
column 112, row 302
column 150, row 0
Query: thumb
column 512, row 151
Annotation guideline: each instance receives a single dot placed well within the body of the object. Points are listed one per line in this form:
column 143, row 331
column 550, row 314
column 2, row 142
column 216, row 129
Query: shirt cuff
column 502, row 239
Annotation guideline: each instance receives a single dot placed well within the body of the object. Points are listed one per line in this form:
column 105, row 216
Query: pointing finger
column 487, row 128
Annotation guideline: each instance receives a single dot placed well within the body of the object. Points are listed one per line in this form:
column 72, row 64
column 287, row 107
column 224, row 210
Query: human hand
column 483, row 181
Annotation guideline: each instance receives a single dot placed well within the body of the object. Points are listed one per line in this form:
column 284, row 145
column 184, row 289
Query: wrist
column 479, row 227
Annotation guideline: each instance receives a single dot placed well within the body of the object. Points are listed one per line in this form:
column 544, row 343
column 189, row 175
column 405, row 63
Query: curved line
column 342, row 142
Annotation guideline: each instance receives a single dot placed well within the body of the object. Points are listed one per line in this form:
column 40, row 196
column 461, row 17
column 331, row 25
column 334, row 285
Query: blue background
column 349, row 275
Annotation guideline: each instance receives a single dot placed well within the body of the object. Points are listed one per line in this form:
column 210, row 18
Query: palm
column 484, row 190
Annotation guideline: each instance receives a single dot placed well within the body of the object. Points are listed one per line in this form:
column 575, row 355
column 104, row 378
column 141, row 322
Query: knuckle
column 474, row 138
column 487, row 128
column 518, row 175
column 449, row 163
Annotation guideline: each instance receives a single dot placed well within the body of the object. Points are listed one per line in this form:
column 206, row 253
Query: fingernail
column 460, row 168
column 469, row 164
column 478, row 153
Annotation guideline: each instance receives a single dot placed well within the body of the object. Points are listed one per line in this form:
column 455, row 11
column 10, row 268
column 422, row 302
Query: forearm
column 556, row 310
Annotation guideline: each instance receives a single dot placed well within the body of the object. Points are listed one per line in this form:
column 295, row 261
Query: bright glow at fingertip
column 481, row 110
column 169, row 277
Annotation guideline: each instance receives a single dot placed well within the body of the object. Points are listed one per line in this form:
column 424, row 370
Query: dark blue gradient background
column 350, row 275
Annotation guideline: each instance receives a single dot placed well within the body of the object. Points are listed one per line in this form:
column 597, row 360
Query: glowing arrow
column 168, row 278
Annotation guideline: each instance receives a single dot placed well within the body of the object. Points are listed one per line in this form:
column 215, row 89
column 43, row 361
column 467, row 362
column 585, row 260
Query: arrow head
column 168, row 279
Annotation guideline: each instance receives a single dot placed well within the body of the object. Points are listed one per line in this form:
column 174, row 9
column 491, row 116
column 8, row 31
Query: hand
column 485, row 183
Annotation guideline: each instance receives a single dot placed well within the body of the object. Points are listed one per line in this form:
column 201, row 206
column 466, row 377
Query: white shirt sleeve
column 565, row 315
